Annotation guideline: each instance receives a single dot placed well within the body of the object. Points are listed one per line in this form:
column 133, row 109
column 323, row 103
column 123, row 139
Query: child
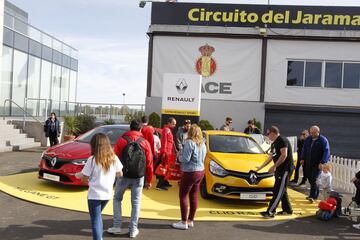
column 100, row 170
column 324, row 180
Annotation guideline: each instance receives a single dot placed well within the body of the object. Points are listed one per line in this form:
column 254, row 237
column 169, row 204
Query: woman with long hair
column 100, row 171
column 192, row 165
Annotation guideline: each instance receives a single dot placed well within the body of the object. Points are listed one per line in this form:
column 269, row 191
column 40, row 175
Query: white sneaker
column 180, row 225
column 134, row 233
column 190, row 224
column 114, row 230
column 356, row 226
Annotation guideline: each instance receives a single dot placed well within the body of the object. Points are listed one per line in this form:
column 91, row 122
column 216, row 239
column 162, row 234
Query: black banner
column 272, row 16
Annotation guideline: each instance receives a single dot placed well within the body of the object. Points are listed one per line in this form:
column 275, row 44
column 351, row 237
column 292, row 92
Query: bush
column 71, row 125
column 85, row 123
column 137, row 115
column 205, row 125
column 154, row 120
column 109, row 121
column 257, row 124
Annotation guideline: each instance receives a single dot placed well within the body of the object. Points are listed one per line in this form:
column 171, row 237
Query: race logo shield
column 181, row 86
column 53, row 161
column 206, row 65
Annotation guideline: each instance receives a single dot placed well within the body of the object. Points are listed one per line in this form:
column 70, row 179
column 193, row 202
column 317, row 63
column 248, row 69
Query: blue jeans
column 136, row 185
column 313, row 174
column 95, row 209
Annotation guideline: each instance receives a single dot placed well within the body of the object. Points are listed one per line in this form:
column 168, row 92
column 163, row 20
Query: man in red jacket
column 167, row 149
column 136, row 184
column 148, row 133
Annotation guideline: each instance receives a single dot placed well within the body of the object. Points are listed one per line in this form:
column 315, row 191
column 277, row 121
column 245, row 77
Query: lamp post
column 143, row 3
column 124, row 98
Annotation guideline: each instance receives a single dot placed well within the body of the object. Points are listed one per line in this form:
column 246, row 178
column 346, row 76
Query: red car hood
column 70, row 150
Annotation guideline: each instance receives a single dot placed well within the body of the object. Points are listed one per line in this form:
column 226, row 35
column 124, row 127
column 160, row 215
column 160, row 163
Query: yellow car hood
column 239, row 162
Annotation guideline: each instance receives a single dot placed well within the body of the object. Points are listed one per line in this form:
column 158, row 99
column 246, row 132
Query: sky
column 110, row 36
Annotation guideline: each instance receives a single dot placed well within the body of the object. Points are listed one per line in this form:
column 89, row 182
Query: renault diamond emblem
column 53, row 161
column 181, row 86
column 253, row 178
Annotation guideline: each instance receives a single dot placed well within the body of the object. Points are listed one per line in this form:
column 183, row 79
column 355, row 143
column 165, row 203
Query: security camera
column 142, row 4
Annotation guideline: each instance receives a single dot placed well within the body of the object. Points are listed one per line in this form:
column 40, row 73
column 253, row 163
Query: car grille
column 59, row 162
column 63, row 178
column 253, row 178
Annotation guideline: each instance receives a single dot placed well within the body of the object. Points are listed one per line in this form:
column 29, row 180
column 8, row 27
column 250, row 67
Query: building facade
column 38, row 72
column 290, row 66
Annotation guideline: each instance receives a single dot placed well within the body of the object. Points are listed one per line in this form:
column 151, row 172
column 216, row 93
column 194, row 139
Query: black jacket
column 47, row 127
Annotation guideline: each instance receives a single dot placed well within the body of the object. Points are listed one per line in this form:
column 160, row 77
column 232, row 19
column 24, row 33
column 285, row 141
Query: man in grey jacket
column 181, row 135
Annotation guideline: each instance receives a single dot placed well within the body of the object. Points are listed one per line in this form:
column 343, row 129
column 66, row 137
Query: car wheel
column 203, row 192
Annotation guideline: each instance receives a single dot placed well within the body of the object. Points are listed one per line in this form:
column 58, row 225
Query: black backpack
column 133, row 159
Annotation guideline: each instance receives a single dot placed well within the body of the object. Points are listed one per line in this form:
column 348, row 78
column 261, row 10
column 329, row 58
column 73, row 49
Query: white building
column 290, row 66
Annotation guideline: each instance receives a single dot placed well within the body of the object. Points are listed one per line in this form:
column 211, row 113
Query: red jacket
column 148, row 133
column 167, row 141
column 134, row 135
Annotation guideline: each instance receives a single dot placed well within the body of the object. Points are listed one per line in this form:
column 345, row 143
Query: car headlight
column 79, row 161
column 217, row 170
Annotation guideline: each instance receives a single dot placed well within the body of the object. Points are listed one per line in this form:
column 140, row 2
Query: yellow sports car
column 230, row 162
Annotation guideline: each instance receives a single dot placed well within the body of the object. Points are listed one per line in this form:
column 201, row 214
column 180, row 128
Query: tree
column 205, row 125
column 154, row 120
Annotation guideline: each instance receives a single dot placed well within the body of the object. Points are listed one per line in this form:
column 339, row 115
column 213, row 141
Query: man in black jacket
column 52, row 129
column 300, row 142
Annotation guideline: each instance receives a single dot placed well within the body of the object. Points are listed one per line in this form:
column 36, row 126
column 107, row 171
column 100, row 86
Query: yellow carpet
column 155, row 204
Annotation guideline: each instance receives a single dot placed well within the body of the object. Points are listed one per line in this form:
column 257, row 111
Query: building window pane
column 295, row 73
column 65, row 77
column 55, row 88
column 45, row 86
column 57, row 57
column 46, row 40
column 8, row 20
column 313, row 74
column 66, row 61
column 333, row 75
column 35, row 48
column 21, row 42
column 5, row 81
column 351, row 75
column 33, row 85
column 21, row 27
column 34, row 34
column 47, row 53
column 72, row 92
column 8, row 37
column 19, row 81
column 74, row 64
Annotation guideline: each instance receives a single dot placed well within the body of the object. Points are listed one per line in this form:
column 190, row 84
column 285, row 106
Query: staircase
column 12, row 139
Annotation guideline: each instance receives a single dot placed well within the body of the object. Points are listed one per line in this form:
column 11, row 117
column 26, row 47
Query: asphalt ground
column 20, row 220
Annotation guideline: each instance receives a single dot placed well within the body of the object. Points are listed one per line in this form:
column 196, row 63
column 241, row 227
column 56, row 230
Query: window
column 351, row 75
column 21, row 27
column 5, row 81
column 325, row 74
column 333, row 75
column 295, row 73
column 47, row 53
column 19, row 81
column 33, row 84
column 55, row 88
column 74, row 64
column 57, row 57
column 45, row 86
column 8, row 20
column 65, row 75
column 21, row 42
column 8, row 37
column 35, row 48
column 313, row 74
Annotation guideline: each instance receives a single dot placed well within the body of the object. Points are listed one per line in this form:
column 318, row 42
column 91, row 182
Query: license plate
column 252, row 196
column 51, row 177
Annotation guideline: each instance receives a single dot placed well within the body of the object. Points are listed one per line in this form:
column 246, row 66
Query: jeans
column 136, row 185
column 95, row 209
column 313, row 174
column 189, row 187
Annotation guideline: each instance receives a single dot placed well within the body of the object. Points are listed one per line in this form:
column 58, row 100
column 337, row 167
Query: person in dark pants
column 281, row 154
column 315, row 152
column 52, row 129
column 300, row 142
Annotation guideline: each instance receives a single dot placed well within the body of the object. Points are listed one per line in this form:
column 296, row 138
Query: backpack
column 133, row 159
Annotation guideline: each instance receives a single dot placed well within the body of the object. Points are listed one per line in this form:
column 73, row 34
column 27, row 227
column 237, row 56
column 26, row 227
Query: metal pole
column 25, row 103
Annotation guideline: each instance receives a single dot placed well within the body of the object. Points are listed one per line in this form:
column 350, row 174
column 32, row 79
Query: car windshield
column 233, row 144
column 114, row 133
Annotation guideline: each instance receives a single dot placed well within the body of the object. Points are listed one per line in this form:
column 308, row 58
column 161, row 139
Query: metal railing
column 101, row 111
column 25, row 113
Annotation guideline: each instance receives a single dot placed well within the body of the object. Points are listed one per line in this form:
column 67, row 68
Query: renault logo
column 253, row 178
column 53, row 161
column 181, row 86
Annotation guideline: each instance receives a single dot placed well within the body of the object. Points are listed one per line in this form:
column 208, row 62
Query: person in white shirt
column 100, row 171
column 324, row 180
column 157, row 144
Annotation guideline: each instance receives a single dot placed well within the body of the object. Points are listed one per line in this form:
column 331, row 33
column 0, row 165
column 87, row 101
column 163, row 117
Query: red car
column 60, row 163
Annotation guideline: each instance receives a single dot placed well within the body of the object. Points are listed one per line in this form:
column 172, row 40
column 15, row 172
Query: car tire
column 203, row 192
